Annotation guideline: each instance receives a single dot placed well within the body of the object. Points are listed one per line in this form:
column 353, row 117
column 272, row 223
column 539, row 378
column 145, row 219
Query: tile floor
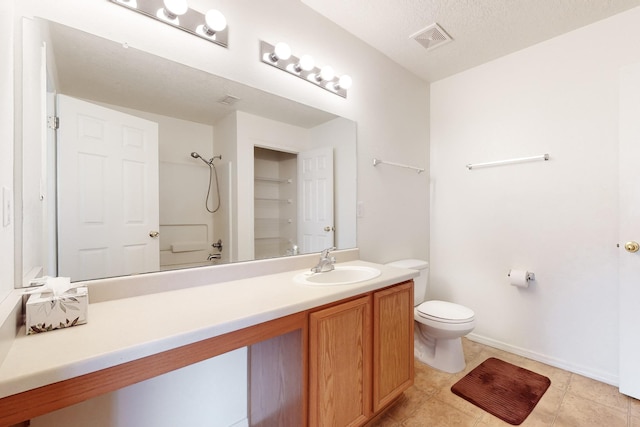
column 571, row 400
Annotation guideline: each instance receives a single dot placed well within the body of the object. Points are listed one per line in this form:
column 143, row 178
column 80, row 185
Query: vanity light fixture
column 211, row 26
column 281, row 52
column 280, row 56
column 326, row 74
column 172, row 10
column 306, row 63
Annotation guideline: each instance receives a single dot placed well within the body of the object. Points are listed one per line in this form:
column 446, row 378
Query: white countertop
column 123, row 330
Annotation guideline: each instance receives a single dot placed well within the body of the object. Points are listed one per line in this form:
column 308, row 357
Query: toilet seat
column 445, row 312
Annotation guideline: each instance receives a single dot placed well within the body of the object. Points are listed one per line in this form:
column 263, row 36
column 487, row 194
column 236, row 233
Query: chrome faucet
column 326, row 262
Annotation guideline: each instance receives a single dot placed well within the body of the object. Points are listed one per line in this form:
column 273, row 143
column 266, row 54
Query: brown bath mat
column 502, row 389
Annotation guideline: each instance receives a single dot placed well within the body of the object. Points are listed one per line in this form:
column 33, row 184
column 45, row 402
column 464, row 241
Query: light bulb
column 306, row 63
column 281, row 51
column 344, row 82
column 175, row 8
column 214, row 21
column 327, row 73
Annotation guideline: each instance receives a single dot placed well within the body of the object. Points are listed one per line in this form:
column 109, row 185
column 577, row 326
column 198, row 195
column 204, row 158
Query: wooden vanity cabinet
column 360, row 356
column 340, row 364
column 392, row 343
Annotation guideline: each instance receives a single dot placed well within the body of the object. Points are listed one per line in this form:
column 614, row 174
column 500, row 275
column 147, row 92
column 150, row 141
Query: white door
column 315, row 198
column 107, row 192
column 629, row 262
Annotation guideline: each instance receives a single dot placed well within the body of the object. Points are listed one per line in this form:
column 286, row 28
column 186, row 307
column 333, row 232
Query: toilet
column 439, row 326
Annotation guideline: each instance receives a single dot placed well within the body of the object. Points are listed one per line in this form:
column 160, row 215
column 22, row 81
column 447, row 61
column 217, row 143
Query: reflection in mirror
column 156, row 165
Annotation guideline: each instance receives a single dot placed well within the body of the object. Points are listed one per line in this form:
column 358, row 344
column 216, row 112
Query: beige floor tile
column 545, row 412
column 500, row 354
column 634, row 407
column 406, row 405
column 430, row 380
column 434, row 413
column 576, row 411
column 446, row 396
column 483, row 355
column 488, row 420
column 559, row 378
column 384, row 421
column 571, row 401
column 598, row 392
column 471, row 349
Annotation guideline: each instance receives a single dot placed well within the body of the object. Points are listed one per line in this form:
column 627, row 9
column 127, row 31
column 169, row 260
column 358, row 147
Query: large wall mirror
column 155, row 165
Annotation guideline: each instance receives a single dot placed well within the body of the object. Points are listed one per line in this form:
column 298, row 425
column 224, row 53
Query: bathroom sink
column 341, row 275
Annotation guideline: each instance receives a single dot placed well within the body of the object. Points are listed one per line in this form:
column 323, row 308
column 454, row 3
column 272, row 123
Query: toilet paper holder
column 530, row 276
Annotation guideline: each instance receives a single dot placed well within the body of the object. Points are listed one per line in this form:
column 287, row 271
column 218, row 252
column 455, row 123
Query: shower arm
column 195, row 155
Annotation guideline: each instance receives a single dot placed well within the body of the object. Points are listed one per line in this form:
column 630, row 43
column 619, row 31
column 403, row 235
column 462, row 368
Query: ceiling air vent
column 432, row 37
column 229, row 100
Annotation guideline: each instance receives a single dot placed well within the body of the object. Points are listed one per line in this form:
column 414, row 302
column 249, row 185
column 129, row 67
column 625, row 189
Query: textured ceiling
column 482, row 30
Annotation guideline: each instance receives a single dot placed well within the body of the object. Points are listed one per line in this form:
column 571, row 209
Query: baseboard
column 548, row 360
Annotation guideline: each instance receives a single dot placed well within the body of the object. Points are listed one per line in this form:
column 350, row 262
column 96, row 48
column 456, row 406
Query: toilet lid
column 444, row 311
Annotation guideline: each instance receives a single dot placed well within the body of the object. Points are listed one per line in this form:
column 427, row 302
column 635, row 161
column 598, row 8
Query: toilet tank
column 420, row 282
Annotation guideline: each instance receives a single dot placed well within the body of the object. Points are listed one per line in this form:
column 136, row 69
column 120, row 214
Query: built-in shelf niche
column 275, row 207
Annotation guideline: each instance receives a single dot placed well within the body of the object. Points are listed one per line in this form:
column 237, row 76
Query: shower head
column 209, row 162
column 198, row 156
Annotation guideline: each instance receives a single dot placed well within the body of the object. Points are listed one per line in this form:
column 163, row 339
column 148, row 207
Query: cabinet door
column 340, row 364
column 392, row 343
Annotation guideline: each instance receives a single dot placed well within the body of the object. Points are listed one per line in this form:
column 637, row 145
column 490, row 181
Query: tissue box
column 46, row 312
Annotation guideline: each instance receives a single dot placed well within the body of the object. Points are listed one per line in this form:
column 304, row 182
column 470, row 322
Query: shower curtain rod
column 377, row 162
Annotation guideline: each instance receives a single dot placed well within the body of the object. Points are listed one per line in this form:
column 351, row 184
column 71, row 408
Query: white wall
column 6, row 144
column 556, row 218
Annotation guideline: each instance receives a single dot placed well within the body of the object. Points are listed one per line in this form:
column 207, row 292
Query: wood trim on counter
column 39, row 401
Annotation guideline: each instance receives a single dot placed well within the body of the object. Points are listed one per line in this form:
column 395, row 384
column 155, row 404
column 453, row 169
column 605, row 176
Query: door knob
column 631, row 247
column 329, row 228
column 154, row 234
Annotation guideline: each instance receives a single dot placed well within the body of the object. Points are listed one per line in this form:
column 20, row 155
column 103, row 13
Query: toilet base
column 442, row 354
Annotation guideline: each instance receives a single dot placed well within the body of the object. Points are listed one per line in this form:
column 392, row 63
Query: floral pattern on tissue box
column 47, row 312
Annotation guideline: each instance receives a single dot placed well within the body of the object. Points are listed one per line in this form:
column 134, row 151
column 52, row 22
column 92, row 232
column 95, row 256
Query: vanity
column 318, row 355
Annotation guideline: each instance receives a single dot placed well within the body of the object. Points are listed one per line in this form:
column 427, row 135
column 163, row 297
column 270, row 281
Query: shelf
column 272, row 199
column 263, row 239
column 274, row 180
column 274, row 220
